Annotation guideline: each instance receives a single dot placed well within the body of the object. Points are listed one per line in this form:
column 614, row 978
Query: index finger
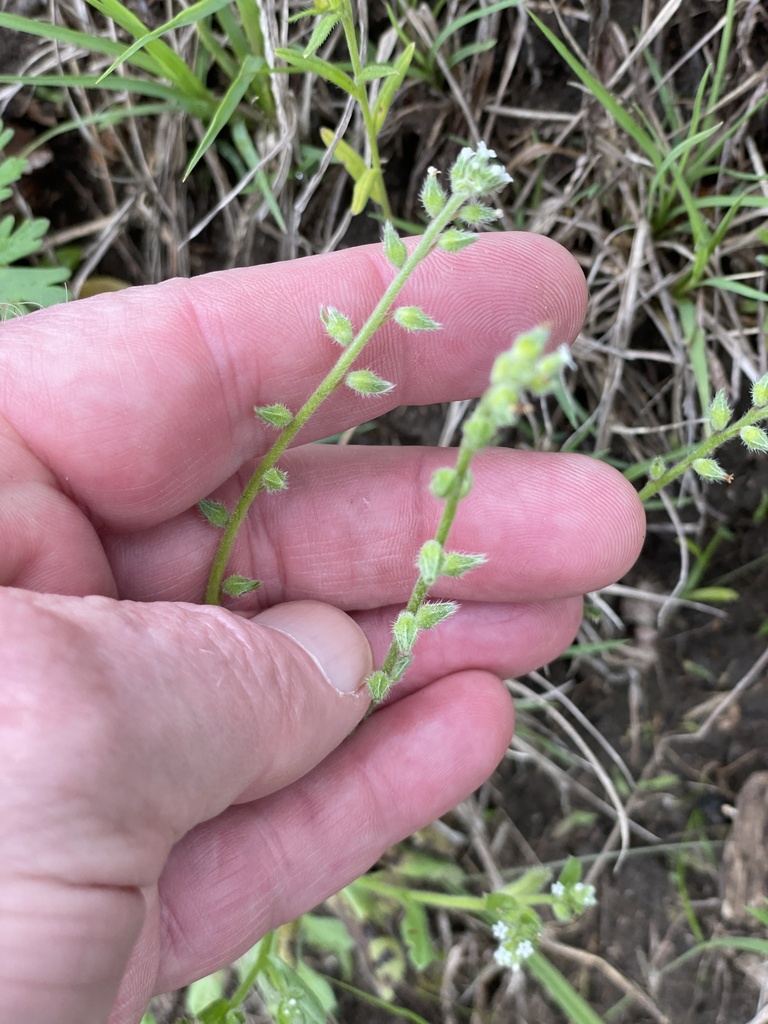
column 142, row 401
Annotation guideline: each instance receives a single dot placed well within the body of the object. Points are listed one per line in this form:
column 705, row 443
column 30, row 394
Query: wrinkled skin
column 179, row 779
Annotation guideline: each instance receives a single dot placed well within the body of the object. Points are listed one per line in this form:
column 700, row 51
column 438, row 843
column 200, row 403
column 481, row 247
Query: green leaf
column 560, row 990
column 326, row 24
column 238, row 585
column 214, row 511
column 189, row 16
column 298, row 62
column 373, row 71
column 414, row 928
column 363, row 190
column 37, row 286
column 391, row 87
column 167, row 61
column 251, row 67
column 351, row 160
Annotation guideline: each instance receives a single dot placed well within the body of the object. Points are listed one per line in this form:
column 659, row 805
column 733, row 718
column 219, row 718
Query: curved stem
column 327, row 386
column 702, row 450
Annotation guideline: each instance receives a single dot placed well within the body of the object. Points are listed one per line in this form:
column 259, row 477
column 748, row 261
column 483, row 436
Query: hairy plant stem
column 421, row 587
column 348, row 25
column 327, row 386
column 702, row 450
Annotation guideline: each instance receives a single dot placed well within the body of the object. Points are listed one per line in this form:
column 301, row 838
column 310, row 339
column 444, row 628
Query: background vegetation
column 636, row 131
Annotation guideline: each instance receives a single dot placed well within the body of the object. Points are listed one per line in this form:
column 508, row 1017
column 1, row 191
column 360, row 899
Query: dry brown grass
column 594, row 727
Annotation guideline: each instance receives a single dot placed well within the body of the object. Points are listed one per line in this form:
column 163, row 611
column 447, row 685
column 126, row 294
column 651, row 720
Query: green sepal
column 454, row 240
column 275, row 479
column 478, row 431
column 366, row 382
column 379, row 685
column 456, row 564
column 337, row 325
column 657, row 468
column 430, row 560
column 277, row 415
column 400, row 667
column 237, row 585
column 412, row 318
column 445, row 481
column 433, row 196
column 710, row 469
column 214, row 512
column 405, row 631
column 760, row 392
column 394, row 247
column 754, row 438
column 478, row 214
column 430, row 613
column 719, row 411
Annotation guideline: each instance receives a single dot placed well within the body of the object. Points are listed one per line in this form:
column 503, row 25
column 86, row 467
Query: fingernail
column 334, row 641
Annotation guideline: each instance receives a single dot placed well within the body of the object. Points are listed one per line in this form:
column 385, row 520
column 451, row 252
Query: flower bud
column 478, row 431
column 657, row 468
column 214, row 512
column 379, row 685
column 238, row 585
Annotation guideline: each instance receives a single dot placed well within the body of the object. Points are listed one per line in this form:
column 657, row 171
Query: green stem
column 348, row 25
column 702, row 450
column 327, row 386
column 421, row 587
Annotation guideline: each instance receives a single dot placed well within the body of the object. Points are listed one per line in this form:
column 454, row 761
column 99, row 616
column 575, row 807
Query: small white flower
column 500, row 931
column 585, row 894
column 558, row 889
column 524, row 950
column 504, row 958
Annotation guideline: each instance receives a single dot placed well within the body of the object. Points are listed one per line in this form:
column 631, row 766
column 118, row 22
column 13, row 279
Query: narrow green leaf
column 617, row 112
column 229, row 102
column 325, row 25
column 391, row 86
column 414, row 928
column 729, row 285
column 314, row 65
column 560, row 990
column 363, row 190
column 167, row 60
column 371, row 72
column 351, row 160
column 189, row 16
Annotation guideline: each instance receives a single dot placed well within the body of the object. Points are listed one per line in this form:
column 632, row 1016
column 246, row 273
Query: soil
column 647, row 700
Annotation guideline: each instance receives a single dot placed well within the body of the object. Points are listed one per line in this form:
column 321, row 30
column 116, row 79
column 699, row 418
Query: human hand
column 179, row 779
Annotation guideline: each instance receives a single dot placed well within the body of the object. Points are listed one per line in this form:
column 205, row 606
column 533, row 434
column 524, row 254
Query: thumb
column 123, row 726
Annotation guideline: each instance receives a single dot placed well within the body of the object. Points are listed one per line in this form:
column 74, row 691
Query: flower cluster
column 517, row 933
column 571, row 900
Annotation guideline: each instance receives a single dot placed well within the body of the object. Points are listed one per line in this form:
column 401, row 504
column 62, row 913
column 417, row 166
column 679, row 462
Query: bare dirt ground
column 683, row 703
